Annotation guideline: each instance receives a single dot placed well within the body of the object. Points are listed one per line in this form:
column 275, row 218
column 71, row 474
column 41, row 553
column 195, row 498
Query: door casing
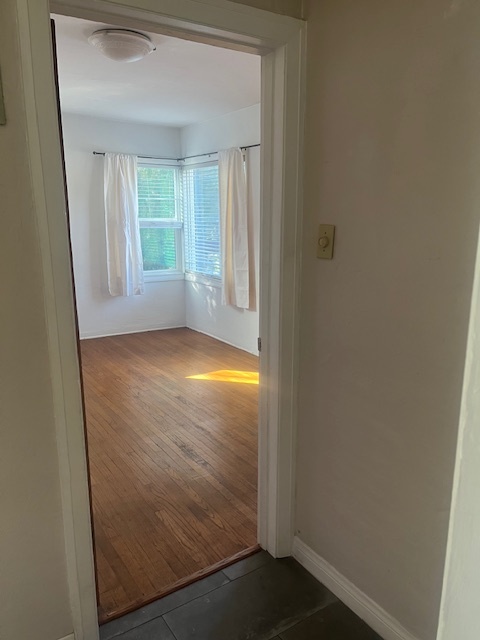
column 280, row 41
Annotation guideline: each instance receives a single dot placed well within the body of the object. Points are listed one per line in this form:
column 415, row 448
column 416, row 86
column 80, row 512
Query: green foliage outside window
column 158, row 249
column 156, row 202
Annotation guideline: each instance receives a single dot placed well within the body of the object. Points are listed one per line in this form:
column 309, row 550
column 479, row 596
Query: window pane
column 156, row 192
column 158, row 249
column 202, row 221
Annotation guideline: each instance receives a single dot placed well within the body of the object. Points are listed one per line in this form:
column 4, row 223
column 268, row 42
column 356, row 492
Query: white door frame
column 281, row 42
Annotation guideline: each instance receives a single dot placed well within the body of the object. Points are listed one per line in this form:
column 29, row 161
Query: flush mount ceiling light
column 122, row 45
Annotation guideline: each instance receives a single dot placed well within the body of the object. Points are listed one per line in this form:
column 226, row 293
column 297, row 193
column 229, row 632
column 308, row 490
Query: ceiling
column 180, row 83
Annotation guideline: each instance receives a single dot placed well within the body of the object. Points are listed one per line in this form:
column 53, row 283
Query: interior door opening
column 170, row 374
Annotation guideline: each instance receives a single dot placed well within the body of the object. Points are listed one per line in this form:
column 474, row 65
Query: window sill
column 159, row 276
column 208, row 281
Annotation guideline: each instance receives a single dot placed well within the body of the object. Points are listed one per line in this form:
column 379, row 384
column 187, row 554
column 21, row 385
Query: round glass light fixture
column 122, row 45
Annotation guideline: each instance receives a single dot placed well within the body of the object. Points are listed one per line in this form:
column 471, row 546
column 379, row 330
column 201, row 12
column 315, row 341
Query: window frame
column 194, row 276
column 163, row 275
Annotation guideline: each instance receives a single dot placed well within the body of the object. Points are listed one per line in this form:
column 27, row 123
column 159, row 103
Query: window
column 166, row 196
column 159, row 217
column 202, row 220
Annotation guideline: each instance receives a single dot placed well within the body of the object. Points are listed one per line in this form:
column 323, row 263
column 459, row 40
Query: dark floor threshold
column 180, row 584
column 257, row 598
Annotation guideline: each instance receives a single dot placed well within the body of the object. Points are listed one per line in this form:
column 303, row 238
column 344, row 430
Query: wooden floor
column 173, row 460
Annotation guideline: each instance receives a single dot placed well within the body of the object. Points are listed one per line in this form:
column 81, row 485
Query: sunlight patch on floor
column 243, row 377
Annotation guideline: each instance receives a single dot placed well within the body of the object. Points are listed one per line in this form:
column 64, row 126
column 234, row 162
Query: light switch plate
column 326, row 236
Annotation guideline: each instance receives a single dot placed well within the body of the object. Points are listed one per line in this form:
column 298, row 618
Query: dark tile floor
column 255, row 599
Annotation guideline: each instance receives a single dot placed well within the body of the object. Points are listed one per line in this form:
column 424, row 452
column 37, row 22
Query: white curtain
column 234, row 225
column 124, row 251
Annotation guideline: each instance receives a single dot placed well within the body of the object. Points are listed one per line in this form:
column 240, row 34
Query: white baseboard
column 368, row 610
column 211, row 335
column 86, row 335
column 70, row 637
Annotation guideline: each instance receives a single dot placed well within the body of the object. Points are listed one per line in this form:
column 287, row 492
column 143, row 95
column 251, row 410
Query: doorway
column 280, row 41
column 170, row 366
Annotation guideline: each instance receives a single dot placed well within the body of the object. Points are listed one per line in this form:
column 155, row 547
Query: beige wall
column 287, row 7
column 34, row 602
column 392, row 159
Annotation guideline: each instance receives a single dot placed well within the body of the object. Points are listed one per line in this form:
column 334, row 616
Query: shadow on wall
column 209, row 295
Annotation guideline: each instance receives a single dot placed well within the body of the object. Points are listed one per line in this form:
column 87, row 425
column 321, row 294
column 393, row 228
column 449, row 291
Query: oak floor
column 173, row 460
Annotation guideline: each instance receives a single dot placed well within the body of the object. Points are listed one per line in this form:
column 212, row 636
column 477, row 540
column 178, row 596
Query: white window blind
column 159, row 216
column 202, row 220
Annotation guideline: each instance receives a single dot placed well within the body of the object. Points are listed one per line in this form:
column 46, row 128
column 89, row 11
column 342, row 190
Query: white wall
column 392, row 157
column 163, row 304
column 236, row 129
column 33, row 581
column 204, row 308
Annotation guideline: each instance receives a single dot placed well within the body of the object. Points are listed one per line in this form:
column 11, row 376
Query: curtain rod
column 199, row 155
